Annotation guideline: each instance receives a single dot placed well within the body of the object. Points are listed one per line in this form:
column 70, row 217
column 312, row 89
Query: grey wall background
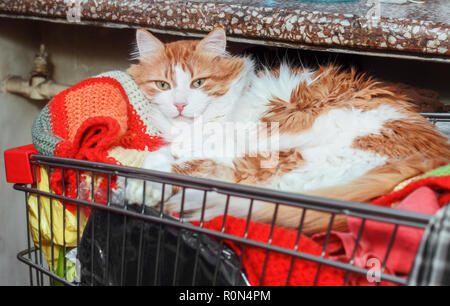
column 78, row 52
column 16, row 115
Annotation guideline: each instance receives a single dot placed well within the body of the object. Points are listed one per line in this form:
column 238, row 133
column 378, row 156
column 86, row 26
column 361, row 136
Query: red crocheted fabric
column 277, row 265
column 90, row 118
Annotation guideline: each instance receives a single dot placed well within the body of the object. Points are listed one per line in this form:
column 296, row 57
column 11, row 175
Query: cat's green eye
column 198, row 83
column 162, row 85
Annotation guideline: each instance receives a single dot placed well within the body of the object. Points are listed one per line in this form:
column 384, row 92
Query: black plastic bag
column 133, row 260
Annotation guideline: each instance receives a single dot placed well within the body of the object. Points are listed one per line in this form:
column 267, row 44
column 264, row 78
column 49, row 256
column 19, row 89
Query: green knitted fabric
column 42, row 135
column 442, row 171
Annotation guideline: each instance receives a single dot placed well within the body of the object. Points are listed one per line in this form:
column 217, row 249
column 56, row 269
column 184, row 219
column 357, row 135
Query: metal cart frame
column 33, row 257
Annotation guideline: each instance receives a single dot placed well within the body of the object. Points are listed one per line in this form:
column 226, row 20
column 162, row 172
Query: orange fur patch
column 332, row 89
column 250, row 170
column 400, row 138
column 203, row 168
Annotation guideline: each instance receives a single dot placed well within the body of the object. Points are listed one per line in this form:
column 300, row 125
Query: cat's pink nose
column 180, row 106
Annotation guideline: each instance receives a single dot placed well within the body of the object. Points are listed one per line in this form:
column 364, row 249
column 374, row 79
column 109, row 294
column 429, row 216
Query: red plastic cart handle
column 17, row 164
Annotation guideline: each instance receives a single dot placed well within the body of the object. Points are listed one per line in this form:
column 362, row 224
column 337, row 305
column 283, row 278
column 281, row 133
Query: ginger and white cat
column 339, row 134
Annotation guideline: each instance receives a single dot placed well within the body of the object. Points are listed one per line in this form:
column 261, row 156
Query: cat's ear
column 214, row 42
column 147, row 44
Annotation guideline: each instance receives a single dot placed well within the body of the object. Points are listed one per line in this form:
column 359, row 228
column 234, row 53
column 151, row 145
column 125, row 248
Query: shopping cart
column 124, row 244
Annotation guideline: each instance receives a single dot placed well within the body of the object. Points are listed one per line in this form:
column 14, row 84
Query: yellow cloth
column 127, row 157
column 69, row 235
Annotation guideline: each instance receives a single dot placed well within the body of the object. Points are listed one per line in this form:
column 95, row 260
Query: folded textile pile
column 371, row 249
column 52, row 227
column 101, row 119
column 425, row 194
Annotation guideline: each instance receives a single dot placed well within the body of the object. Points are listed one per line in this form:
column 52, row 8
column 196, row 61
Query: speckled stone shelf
column 421, row 30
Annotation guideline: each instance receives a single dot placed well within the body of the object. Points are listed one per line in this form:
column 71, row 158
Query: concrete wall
column 16, row 115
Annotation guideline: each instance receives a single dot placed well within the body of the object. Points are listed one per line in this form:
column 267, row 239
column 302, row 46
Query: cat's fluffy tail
column 381, row 180
column 377, row 182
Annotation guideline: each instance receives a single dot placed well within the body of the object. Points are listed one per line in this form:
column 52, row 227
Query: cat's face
column 185, row 78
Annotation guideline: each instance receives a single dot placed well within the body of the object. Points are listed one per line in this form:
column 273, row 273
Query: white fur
column 264, row 88
column 165, row 113
column 339, row 127
column 329, row 159
column 327, row 148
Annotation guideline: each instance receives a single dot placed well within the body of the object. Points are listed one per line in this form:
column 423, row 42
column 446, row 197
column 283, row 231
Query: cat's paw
column 184, row 204
column 152, row 195
column 160, row 160
column 194, row 206
column 148, row 192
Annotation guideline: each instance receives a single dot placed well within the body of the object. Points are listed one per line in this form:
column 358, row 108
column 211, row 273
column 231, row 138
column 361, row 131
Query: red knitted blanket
column 279, row 269
column 89, row 118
